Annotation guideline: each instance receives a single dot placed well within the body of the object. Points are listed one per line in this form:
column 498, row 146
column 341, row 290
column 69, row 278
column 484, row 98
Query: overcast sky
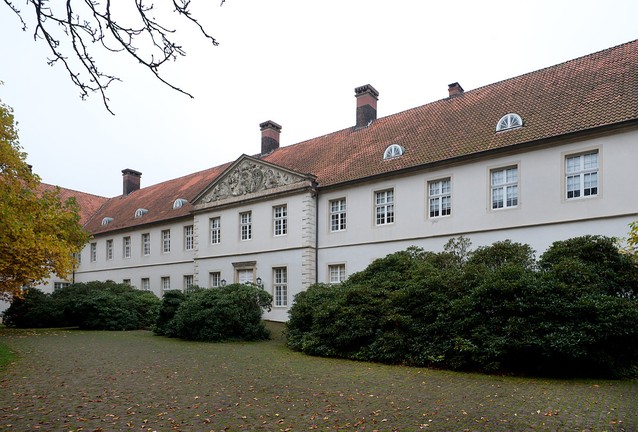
column 294, row 62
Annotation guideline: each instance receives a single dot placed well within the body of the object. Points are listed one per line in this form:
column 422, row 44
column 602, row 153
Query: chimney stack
column 367, row 97
column 269, row 136
column 455, row 89
column 130, row 181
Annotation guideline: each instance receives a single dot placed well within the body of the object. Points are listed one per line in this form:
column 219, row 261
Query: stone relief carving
column 248, row 177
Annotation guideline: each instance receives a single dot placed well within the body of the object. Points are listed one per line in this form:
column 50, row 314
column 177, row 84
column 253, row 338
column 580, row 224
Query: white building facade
column 543, row 157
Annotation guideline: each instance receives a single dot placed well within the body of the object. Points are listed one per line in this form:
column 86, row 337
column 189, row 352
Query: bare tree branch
column 71, row 35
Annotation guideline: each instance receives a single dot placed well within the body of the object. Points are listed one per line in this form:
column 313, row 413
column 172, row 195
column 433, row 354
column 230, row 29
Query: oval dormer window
column 107, row 220
column 509, row 121
column 179, row 202
column 140, row 212
column 393, row 151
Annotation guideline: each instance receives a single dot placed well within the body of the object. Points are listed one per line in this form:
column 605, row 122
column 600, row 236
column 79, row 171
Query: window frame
column 189, row 237
column 109, row 249
column 146, row 244
column 509, row 121
column 214, row 279
column 504, row 187
column 126, row 247
column 280, row 220
column 581, row 173
column 340, row 273
column 280, row 287
column 165, row 283
column 93, row 252
column 215, row 236
column 338, row 215
column 166, row 241
column 384, row 211
column 189, row 282
column 246, row 225
column 145, row 284
column 441, row 197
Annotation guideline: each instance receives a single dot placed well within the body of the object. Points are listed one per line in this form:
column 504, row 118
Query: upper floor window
column 126, row 247
column 93, row 254
column 215, row 230
column 178, row 203
column 393, row 151
column 581, row 175
column 280, row 220
column 140, row 212
column 166, row 241
column 188, row 237
column 146, row 244
column 109, row 249
column 440, row 198
column 338, row 214
column 509, row 121
column 280, row 286
column 246, row 225
column 384, row 207
column 504, row 186
column 337, row 273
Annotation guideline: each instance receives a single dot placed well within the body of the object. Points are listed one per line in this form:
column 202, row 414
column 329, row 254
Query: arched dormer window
column 107, row 220
column 393, row 151
column 509, row 121
column 179, row 202
column 140, row 212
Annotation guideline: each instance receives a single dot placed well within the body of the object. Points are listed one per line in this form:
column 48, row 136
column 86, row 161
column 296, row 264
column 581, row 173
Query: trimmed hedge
column 497, row 310
column 232, row 312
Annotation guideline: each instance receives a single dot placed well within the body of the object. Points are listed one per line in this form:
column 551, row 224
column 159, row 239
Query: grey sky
column 294, row 62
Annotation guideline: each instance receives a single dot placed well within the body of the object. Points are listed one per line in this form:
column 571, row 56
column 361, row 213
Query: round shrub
column 34, row 309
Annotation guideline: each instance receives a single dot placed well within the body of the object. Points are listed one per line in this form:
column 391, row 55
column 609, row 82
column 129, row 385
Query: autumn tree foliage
column 39, row 234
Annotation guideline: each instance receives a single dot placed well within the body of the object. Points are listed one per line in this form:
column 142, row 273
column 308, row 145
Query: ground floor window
column 280, row 286
column 337, row 273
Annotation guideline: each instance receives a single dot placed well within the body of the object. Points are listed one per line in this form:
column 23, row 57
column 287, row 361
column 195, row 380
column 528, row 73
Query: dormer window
column 107, row 220
column 393, row 151
column 179, row 202
column 509, row 121
column 140, row 212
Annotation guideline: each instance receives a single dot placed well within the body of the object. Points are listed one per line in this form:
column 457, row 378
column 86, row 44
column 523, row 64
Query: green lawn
column 71, row 380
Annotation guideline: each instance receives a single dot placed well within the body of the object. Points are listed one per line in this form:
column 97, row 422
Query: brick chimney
column 269, row 136
column 367, row 97
column 455, row 89
column 130, row 181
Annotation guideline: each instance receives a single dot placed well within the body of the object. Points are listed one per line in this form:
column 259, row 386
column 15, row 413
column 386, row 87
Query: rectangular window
column 245, row 276
column 337, row 273
column 581, row 175
column 280, row 286
column 280, row 220
column 215, row 230
column 126, row 247
column 166, row 241
column 126, row 281
column 188, row 238
column 93, row 252
column 60, row 285
column 215, row 279
column 338, row 215
column 384, row 207
column 504, row 185
column 109, row 249
column 246, row 225
column 146, row 244
column 166, row 283
column 440, row 198
column 146, row 284
column 188, row 282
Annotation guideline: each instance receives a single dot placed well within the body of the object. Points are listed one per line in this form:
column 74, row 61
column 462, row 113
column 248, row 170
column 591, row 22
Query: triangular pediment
column 248, row 178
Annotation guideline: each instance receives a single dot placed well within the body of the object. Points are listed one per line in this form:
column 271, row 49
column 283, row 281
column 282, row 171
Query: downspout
column 316, row 233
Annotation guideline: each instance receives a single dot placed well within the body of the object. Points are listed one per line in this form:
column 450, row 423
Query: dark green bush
column 494, row 310
column 34, row 310
column 170, row 303
column 91, row 305
column 230, row 313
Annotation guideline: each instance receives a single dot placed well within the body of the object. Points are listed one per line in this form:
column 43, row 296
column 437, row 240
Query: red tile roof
column 89, row 204
column 585, row 94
